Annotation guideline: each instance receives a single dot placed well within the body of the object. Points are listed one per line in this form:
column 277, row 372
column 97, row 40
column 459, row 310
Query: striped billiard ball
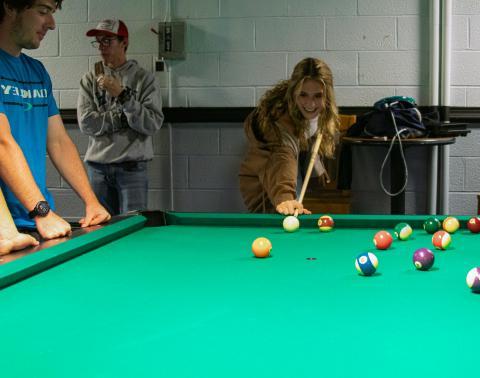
column 473, row 279
column 326, row 223
column 366, row 263
column 403, row 231
column 451, row 224
column 441, row 239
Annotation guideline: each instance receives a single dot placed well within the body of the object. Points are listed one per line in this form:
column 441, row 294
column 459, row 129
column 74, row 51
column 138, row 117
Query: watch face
column 42, row 208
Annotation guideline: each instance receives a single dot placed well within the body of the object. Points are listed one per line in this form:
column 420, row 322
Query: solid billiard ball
column 325, row 223
column 432, row 225
column 451, row 224
column 403, row 231
column 291, row 223
column 382, row 240
column 474, row 225
column 423, row 259
column 366, row 263
column 441, row 239
column 261, row 247
column 473, row 279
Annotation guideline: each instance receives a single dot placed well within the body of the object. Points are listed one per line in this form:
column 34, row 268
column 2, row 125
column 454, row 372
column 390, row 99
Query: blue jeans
column 120, row 187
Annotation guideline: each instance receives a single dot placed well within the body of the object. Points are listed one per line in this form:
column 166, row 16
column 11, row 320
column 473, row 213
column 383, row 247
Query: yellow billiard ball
column 451, row 224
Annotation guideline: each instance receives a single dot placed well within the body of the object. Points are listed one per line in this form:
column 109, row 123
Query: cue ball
column 473, row 279
column 441, row 239
column 382, row 240
column 474, row 225
column 291, row 223
column 451, row 224
column 366, row 263
column 325, row 223
column 261, row 247
column 423, row 259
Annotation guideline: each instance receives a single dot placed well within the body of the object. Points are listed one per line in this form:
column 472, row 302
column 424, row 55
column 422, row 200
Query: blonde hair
column 281, row 99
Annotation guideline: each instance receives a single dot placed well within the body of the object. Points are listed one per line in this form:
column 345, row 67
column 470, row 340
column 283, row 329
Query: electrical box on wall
column 171, row 40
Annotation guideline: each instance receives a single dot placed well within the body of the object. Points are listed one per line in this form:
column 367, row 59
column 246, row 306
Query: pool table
column 181, row 295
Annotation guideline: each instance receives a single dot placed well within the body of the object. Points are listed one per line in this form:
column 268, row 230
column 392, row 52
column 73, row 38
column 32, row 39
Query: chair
column 329, row 199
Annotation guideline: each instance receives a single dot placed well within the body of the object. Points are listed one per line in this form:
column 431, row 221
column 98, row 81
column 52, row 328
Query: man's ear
column 125, row 42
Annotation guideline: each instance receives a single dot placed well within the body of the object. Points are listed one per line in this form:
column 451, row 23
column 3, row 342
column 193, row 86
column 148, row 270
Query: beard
column 20, row 35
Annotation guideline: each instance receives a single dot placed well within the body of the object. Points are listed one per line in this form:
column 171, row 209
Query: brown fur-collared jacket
column 269, row 171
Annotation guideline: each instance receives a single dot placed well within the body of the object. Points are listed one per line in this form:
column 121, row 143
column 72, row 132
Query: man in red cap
column 120, row 109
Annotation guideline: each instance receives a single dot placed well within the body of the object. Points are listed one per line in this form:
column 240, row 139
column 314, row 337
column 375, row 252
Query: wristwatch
column 41, row 209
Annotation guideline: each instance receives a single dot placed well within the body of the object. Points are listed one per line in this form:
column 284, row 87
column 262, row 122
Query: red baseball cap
column 109, row 27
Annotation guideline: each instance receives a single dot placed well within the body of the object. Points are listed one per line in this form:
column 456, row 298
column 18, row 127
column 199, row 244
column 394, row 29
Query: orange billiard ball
column 441, row 239
column 382, row 240
column 261, row 247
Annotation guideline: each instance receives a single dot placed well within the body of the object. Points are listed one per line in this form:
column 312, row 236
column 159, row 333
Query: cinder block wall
column 238, row 49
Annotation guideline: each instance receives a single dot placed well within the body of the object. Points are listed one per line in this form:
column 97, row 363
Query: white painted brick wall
column 337, row 30
column 292, row 28
column 237, row 49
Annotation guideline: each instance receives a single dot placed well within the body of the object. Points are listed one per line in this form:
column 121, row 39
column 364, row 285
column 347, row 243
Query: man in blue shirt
column 30, row 125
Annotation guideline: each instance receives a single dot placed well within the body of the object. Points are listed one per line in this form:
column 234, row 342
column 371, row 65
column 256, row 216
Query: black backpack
column 396, row 116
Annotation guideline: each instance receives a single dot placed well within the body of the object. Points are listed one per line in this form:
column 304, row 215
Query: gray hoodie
column 119, row 133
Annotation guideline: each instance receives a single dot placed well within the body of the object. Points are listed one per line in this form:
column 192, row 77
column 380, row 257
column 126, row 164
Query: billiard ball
column 423, row 259
column 382, row 240
column 326, row 223
column 261, row 247
column 441, row 239
column 451, row 224
column 473, row 279
column 474, row 225
column 403, row 231
column 291, row 223
column 366, row 263
column 432, row 225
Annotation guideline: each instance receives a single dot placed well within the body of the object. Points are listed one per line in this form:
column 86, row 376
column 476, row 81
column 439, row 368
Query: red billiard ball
column 382, row 240
column 261, row 247
column 326, row 223
column 474, row 225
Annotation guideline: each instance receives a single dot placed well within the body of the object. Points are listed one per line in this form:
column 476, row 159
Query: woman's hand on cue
column 291, row 207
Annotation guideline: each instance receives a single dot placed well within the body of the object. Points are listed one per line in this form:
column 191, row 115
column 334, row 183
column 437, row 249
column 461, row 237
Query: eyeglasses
column 105, row 42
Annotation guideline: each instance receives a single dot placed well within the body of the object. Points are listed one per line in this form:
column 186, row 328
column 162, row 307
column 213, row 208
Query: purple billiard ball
column 473, row 279
column 423, row 259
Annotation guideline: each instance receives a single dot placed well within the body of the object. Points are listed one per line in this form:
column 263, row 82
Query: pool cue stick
column 310, row 167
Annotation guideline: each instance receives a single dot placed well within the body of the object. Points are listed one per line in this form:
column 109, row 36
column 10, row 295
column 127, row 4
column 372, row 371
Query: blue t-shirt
column 26, row 99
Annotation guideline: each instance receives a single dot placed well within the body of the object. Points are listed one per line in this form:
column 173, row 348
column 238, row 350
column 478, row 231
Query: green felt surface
column 189, row 300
